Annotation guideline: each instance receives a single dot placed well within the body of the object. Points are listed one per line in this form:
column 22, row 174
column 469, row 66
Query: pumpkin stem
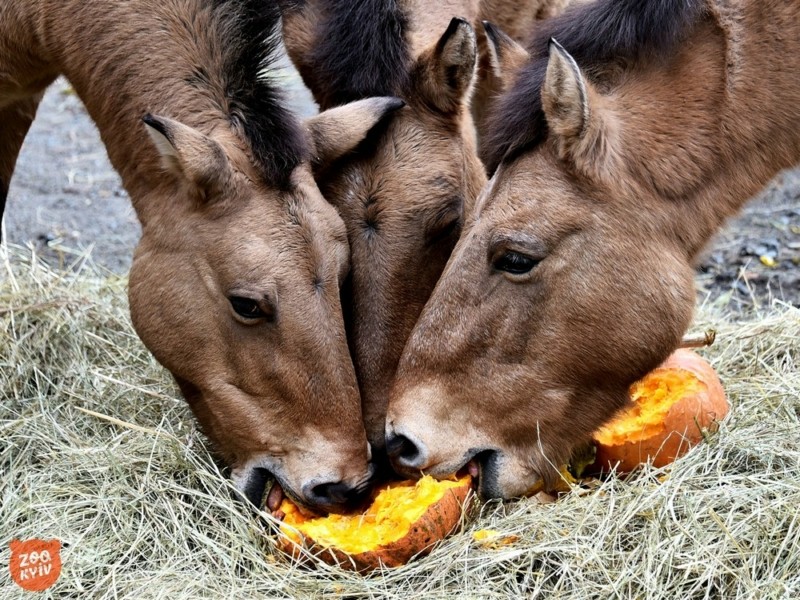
column 699, row 341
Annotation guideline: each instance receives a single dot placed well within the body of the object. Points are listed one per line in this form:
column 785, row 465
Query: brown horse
column 404, row 193
column 235, row 285
column 634, row 130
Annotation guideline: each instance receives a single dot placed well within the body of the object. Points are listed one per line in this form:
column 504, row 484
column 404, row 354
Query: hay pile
column 97, row 449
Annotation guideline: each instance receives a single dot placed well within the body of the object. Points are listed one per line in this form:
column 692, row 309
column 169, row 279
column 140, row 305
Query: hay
column 97, row 449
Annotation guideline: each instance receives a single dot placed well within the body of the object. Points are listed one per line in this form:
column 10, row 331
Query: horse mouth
column 275, row 497
column 257, row 485
column 278, row 492
column 483, row 468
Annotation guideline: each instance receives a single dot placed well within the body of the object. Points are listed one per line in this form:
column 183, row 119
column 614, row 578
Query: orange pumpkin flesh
column 672, row 406
column 405, row 518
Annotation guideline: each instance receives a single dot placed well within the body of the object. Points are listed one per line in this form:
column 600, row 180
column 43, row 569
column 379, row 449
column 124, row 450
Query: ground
column 98, row 451
column 65, row 193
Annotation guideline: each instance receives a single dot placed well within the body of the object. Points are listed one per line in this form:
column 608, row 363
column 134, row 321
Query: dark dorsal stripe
column 594, row 34
column 362, row 50
column 251, row 41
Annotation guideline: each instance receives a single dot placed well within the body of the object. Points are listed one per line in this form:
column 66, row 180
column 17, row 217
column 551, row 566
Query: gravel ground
column 756, row 258
column 64, row 193
column 64, row 190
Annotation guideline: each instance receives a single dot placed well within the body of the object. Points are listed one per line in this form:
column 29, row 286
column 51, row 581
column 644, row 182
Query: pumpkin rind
column 439, row 520
column 684, row 423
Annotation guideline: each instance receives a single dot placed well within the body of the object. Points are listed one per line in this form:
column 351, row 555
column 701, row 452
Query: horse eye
column 247, row 308
column 515, row 263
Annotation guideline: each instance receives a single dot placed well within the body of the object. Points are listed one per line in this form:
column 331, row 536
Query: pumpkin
column 672, row 407
column 404, row 519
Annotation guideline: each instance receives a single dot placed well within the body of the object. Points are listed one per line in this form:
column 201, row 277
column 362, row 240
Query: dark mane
column 594, row 34
column 362, row 50
column 251, row 42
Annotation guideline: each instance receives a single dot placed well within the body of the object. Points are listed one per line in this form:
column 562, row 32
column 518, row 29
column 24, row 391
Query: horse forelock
column 363, row 50
column 595, row 34
column 254, row 100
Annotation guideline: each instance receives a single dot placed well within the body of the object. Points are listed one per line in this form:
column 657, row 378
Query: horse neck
column 139, row 62
column 429, row 20
column 725, row 116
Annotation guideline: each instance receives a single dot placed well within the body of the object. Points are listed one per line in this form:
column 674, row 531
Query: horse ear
column 506, row 56
column 565, row 94
column 445, row 73
column 574, row 111
column 190, row 155
column 337, row 131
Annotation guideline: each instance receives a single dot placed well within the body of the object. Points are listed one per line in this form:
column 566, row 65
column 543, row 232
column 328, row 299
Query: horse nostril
column 336, row 493
column 402, row 449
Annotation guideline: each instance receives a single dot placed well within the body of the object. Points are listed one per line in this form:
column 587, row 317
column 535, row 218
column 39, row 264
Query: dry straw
column 98, row 450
